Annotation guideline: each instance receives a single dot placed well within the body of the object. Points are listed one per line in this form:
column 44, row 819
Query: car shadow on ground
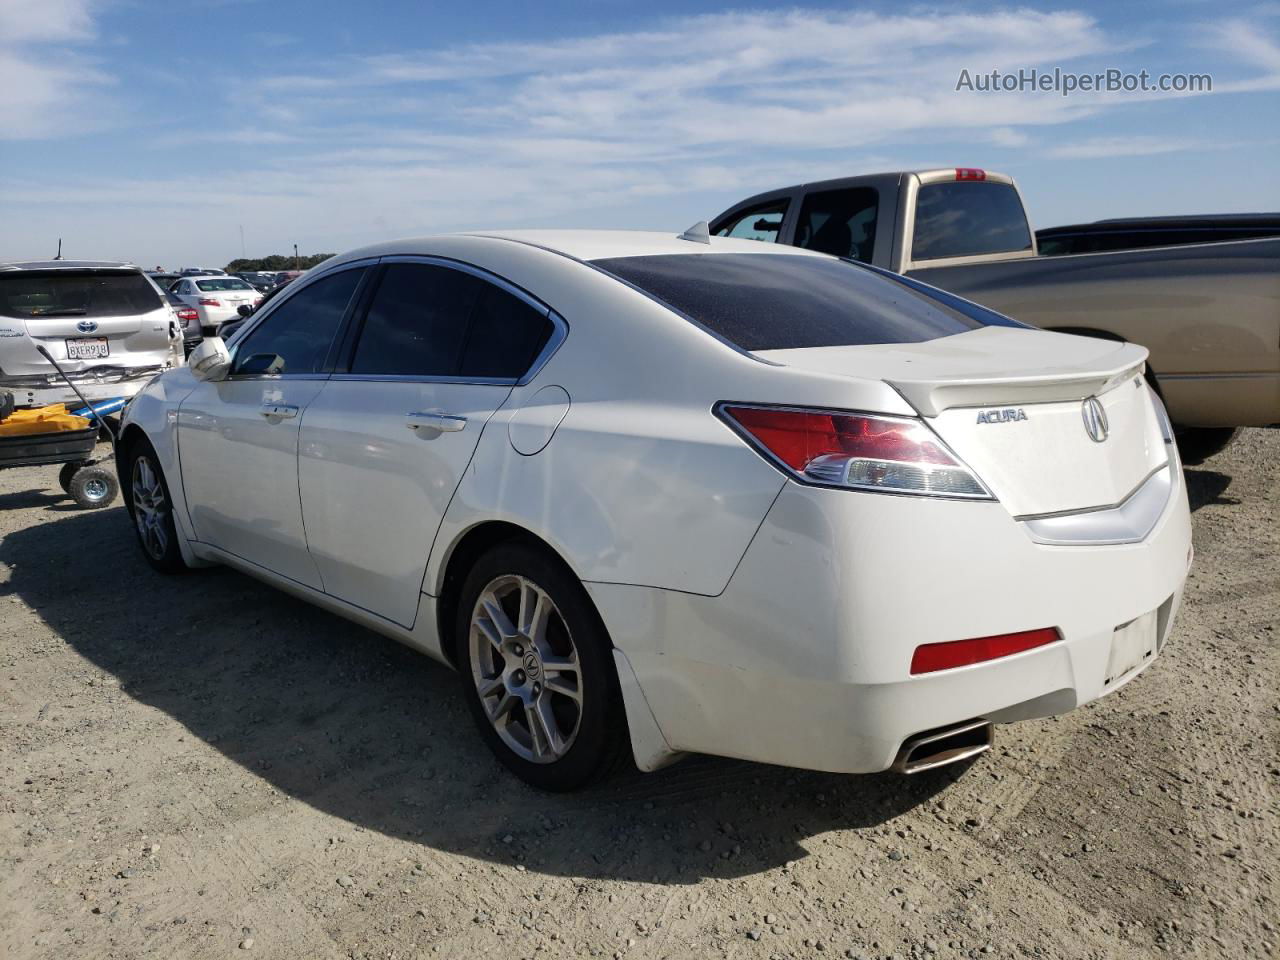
column 1206, row 487
column 378, row 735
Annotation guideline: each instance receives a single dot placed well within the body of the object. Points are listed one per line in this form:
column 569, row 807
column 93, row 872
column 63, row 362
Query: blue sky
column 158, row 132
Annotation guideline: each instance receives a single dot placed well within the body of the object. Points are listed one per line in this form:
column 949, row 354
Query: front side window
column 966, row 219
column 761, row 301
column 295, row 337
column 839, row 222
column 758, row 223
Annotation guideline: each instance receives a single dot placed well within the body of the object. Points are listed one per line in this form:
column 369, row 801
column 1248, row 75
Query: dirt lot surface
column 202, row 767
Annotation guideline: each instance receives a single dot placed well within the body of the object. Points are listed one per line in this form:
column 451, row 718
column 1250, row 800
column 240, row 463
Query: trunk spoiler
column 932, row 396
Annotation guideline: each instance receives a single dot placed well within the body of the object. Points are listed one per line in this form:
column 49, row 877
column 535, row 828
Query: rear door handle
column 443, row 422
column 285, row 411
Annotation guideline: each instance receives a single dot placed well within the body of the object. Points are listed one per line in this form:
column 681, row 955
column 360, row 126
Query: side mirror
column 210, row 360
column 245, row 310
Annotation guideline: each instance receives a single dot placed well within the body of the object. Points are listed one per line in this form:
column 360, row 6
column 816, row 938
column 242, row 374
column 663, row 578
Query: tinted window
column 226, row 283
column 64, row 293
column 434, row 321
column 417, row 323
column 505, row 338
column 839, row 222
column 299, row 331
column 765, row 302
column 759, row 223
column 967, row 219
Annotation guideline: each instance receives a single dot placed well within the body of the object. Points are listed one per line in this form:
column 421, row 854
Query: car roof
column 582, row 244
column 69, row 265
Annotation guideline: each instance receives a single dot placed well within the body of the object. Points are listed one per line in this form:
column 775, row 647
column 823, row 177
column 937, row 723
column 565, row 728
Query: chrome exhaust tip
column 937, row 748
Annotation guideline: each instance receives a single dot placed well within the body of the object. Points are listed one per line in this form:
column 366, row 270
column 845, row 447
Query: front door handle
column 284, row 411
column 429, row 420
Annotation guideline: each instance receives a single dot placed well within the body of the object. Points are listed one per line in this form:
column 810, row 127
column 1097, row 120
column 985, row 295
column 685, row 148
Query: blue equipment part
column 102, row 408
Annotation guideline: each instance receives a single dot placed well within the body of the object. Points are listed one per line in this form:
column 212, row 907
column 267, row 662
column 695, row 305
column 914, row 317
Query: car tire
column 151, row 508
column 1197, row 445
column 93, row 487
column 537, row 669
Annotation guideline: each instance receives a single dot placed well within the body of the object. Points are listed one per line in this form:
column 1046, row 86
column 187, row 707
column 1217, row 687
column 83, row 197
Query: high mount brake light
column 858, row 451
column 970, row 173
column 960, row 653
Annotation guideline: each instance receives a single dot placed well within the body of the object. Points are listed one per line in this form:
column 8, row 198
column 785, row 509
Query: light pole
column 295, row 256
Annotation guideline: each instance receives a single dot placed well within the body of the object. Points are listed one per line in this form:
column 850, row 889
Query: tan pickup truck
column 1209, row 313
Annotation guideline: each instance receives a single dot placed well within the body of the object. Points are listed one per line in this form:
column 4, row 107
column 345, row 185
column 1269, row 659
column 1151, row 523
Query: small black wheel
column 93, row 487
column 1197, row 445
column 65, row 474
column 151, row 507
column 537, row 669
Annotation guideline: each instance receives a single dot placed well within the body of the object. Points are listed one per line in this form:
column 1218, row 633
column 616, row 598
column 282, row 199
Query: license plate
column 1132, row 645
column 87, row 348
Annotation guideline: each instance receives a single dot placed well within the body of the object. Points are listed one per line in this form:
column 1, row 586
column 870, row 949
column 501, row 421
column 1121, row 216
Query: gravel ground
column 200, row 767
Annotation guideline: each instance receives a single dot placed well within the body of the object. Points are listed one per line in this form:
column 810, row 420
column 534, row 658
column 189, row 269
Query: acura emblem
column 87, row 326
column 1095, row 419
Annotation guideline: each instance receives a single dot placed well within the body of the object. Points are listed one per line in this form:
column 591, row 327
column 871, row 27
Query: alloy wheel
column 525, row 668
column 150, row 507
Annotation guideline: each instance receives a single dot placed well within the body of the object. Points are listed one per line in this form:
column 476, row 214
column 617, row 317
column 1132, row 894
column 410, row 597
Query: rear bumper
column 107, row 387
column 804, row 659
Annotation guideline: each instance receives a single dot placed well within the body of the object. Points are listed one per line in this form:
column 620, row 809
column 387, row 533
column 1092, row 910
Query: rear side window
column 839, row 222
column 505, row 338
column 768, row 302
column 295, row 337
column 67, row 293
column 966, row 219
column 417, row 322
column 428, row 320
column 758, row 223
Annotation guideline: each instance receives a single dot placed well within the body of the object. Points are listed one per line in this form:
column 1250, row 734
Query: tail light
column 187, row 313
column 210, row 302
column 856, row 451
column 960, row 653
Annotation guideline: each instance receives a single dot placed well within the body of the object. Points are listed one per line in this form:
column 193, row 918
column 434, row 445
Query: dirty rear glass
column 968, row 219
column 65, row 293
column 768, row 302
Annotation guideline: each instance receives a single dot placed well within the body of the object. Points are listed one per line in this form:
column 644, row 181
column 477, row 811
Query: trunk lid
column 1012, row 404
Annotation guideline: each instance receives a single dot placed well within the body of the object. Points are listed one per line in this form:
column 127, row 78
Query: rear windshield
column 966, row 219
column 764, row 302
column 67, row 293
column 223, row 283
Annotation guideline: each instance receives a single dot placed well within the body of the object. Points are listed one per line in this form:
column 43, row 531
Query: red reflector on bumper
column 961, row 653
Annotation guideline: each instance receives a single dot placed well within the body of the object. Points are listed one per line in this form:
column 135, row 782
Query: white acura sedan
column 651, row 494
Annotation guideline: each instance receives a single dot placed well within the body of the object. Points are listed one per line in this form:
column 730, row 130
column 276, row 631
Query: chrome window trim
column 559, row 328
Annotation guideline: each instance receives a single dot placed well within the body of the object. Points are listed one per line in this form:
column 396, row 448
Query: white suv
column 105, row 323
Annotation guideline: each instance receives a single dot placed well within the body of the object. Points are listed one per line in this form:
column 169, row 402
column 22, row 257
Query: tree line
column 276, row 262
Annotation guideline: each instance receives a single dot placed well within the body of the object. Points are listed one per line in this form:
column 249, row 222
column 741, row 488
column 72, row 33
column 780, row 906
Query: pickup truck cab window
column 967, row 219
column 758, row 223
column 839, row 222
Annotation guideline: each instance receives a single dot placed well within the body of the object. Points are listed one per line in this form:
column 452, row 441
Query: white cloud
column 48, row 87
column 605, row 129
